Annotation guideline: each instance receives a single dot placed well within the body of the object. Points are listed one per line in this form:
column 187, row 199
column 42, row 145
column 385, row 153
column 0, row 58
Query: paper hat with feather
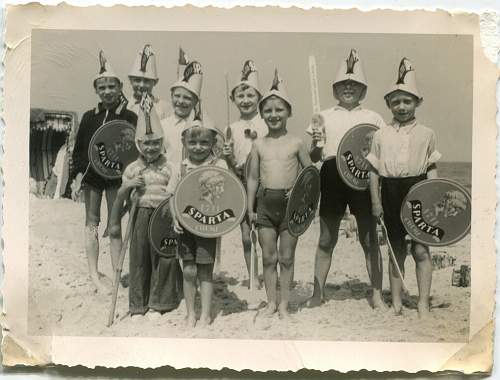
column 105, row 69
column 277, row 89
column 407, row 80
column 191, row 79
column 182, row 62
column 351, row 69
column 249, row 77
column 148, row 122
column 145, row 64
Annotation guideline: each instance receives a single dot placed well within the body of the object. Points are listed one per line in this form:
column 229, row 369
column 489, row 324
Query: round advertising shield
column 112, row 148
column 162, row 236
column 303, row 201
column 353, row 148
column 437, row 212
column 210, row 201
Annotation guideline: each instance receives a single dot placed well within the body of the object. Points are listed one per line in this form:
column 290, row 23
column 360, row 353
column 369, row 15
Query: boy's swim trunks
column 271, row 208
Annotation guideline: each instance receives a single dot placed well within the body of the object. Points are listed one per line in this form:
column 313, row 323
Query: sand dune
column 61, row 301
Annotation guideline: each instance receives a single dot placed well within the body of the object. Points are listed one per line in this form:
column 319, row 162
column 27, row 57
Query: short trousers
column 195, row 248
column 336, row 195
column 91, row 178
column 394, row 191
column 271, row 209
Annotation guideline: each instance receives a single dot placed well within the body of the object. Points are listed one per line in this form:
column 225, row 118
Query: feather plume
column 351, row 61
column 102, row 62
column 404, row 68
column 146, row 53
column 248, row 68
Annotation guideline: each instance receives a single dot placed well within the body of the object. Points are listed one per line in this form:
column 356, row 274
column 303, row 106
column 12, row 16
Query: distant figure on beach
column 275, row 160
column 349, row 89
column 112, row 106
column 402, row 155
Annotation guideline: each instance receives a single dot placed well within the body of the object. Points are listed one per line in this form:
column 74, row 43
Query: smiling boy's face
column 109, row 90
column 141, row 85
column 183, row 102
column 199, row 143
column 349, row 92
column 275, row 113
column 403, row 106
column 246, row 98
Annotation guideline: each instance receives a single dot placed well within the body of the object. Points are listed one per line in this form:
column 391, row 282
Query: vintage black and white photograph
column 314, row 191
column 333, row 262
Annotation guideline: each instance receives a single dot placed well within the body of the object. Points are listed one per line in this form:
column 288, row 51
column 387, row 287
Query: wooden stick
column 253, row 257
column 123, row 251
column 313, row 78
column 392, row 256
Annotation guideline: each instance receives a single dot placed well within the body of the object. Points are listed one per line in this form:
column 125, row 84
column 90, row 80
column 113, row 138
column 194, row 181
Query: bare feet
column 154, row 315
column 423, row 310
column 269, row 310
column 135, row 317
column 190, row 321
column 378, row 302
column 284, row 314
column 101, row 284
column 398, row 309
column 204, row 322
column 314, row 301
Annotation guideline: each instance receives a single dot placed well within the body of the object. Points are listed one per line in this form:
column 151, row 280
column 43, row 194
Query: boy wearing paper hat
column 349, row 89
column 275, row 162
column 198, row 253
column 246, row 96
column 401, row 155
column 112, row 106
column 143, row 77
column 154, row 281
column 185, row 96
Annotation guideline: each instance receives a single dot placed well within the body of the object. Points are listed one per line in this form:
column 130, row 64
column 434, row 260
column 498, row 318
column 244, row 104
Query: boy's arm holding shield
column 253, row 183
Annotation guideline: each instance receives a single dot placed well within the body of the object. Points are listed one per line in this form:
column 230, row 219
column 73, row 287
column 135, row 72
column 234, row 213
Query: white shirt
column 339, row 120
column 162, row 108
column 172, row 131
column 403, row 150
column 242, row 143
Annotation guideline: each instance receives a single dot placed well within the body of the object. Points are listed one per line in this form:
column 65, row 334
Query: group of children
column 261, row 152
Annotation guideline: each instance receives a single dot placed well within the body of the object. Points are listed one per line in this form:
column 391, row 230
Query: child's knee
column 286, row 260
column 269, row 259
column 115, row 231
column 190, row 272
column 420, row 252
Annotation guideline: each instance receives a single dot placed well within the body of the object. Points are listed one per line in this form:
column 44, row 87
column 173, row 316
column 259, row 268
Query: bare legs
column 192, row 273
column 271, row 257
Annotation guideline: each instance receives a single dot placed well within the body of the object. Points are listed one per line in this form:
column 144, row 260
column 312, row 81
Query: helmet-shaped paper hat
column 278, row 89
column 148, row 122
column 145, row 64
column 249, row 76
column 105, row 69
column 191, row 79
column 407, row 80
column 351, row 69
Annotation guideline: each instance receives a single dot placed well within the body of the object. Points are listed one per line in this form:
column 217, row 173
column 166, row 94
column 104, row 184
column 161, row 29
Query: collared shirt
column 162, row 108
column 339, row 120
column 161, row 178
column 403, row 150
column 172, row 132
column 242, row 142
column 187, row 165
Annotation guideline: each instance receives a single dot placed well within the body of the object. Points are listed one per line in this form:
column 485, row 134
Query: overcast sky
column 65, row 62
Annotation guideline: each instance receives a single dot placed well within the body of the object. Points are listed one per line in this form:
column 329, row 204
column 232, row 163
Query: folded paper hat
column 249, row 76
column 105, row 69
column 199, row 121
column 148, row 121
column 407, row 80
column 191, row 79
column 351, row 69
column 277, row 89
column 145, row 64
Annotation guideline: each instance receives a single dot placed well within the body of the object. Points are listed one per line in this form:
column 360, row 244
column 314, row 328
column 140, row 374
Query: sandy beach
column 61, row 301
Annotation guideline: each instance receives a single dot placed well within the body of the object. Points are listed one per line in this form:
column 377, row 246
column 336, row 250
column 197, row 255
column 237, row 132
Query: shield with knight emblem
column 162, row 236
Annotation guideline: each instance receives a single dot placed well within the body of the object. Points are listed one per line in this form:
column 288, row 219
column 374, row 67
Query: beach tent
column 49, row 131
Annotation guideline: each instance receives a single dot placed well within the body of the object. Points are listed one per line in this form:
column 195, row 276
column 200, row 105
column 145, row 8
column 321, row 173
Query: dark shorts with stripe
column 271, row 208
